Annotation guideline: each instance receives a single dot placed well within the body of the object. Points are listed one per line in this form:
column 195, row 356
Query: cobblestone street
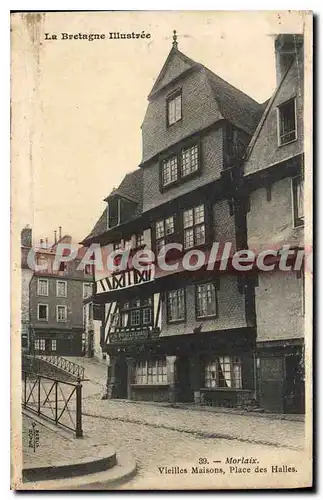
column 155, row 447
column 159, row 436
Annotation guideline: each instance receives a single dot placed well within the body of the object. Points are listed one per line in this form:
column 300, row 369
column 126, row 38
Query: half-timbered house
column 181, row 334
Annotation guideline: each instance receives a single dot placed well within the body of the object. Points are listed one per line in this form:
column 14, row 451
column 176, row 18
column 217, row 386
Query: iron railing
column 64, row 364
column 57, row 401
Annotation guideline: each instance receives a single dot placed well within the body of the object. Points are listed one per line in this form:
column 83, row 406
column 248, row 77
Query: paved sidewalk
column 55, row 444
column 273, row 430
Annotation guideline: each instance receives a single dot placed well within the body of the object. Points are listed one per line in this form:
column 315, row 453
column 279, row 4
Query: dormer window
column 174, row 108
column 119, row 210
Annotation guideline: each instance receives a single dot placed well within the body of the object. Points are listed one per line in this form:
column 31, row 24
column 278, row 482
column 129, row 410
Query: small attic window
column 174, row 107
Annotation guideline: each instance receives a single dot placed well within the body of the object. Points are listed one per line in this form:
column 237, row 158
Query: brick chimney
column 26, row 237
column 286, row 48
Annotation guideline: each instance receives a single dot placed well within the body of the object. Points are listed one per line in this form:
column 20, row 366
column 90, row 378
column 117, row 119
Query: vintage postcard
column 161, row 250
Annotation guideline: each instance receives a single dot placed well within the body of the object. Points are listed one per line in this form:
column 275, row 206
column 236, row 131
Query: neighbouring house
column 274, row 179
column 52, row 300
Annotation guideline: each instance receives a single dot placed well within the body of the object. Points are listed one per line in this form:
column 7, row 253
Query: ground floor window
column 153, row 371
column 223, row 371
column 54, row 345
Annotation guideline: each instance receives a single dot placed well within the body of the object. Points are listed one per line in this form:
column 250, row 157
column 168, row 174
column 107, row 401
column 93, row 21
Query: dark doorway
column 184, row 393
column 294, row 387
column 121, row 378
column 271, row 384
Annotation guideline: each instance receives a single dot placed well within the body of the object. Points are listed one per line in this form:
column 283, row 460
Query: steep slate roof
column 235, row 106
column 131, row 188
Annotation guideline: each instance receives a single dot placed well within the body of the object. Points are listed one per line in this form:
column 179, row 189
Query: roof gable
column 175, row 65
column 263, row 149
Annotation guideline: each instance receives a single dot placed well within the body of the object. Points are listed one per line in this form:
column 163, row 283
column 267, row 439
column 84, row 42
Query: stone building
column 52, row 300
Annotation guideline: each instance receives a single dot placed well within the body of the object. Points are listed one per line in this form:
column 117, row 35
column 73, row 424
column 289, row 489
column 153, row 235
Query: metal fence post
column 79, row 431
column 56, row 402
column 38, row 395
column 25, row 388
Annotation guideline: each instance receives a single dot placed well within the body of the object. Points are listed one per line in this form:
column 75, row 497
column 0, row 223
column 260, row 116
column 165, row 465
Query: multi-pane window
column 224, row 371
column 147, row 316
column 206, row 303
column 135, row 317
column 152, row 371
column 189, row 160
column 181, row 164
column 287, row 122
column 42, row 286
column 140, row 240
column 61, row 288
column 36, row 344
column 87, row 290
column 54, row 345
column 42, row 344
column 194, row 226
column 42, row 312
column 134, row 313
column 174, row 108
column 169, row 170
column 298, row 200
column 61, row 313
column 163, row 229
column 176, row 305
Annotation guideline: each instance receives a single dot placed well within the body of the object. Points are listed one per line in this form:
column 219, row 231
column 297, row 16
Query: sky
column 78, row 106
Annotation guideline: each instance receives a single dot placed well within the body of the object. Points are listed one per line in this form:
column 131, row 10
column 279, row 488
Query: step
column 122, row 471
column 104, row 459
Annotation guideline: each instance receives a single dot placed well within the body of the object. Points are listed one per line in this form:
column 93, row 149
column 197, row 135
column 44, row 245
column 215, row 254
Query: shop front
column 213, row 368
